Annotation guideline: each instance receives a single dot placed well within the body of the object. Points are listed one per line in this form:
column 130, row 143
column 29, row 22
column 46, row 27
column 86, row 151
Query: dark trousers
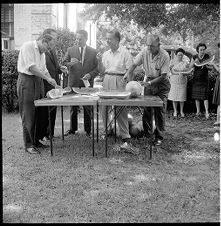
column 42, row 122
column 28, row 89
column 74, row 118
column 162, row 89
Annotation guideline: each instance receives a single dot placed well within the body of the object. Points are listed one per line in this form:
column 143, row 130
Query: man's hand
column 64, row 69
column 126, row 77
column 99, row 56
column 145, row 84
column 74, row 60
column 52, row 82
column 86, row 77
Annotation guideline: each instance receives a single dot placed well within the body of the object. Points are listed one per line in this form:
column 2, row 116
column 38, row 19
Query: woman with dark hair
column 200, row 85
column 178, row 81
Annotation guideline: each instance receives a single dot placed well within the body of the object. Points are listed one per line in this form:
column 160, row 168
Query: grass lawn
column 179, row 184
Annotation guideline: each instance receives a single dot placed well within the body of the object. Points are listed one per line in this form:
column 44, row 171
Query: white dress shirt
column 29, row 55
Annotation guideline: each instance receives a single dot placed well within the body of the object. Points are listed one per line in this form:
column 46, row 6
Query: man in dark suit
column 82, row 66
column 42, row 128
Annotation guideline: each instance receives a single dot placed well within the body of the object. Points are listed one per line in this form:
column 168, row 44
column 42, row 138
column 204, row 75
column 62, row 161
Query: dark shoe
column 47, row 138
column 216, row 124
column 40, row 145
column 88, row 135
column 126, row 140
column 158, row 142
column 32, row 150
column 69, row 132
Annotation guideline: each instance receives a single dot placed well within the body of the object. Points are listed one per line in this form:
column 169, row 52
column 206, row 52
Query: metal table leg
column 152, row 131
column 106, row 116
column 115, row 125
column 49, row 118
column 92, row 117
column 62, row 123
column 97, row 121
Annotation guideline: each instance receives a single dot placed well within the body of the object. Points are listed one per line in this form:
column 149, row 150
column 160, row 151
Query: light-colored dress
column 178, row 90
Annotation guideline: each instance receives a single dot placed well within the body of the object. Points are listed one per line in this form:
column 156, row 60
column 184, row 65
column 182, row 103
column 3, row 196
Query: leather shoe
column 40, row 145
column 32, row 150
column 69, row 132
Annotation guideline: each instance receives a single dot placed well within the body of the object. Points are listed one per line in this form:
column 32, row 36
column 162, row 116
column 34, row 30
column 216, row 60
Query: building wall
column 31, row 19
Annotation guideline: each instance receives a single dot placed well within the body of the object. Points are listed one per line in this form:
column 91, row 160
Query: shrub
column 9, row 80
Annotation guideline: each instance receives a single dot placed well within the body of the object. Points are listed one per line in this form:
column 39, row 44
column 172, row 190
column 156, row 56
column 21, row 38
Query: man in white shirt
column 32, row 70
column 114, row 64
column 156, row 63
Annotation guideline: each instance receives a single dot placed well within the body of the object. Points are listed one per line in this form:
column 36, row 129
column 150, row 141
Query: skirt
column 200, row 91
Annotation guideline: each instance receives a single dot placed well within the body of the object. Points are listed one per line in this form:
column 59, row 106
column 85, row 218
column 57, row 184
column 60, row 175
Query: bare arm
column 129, row 74
column 34, row 70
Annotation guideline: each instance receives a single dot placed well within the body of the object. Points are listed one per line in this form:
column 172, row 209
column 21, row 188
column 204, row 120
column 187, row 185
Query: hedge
column 9, row 80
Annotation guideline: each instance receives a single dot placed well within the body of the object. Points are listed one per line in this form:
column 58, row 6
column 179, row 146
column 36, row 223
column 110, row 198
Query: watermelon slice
column 85, row 91
column 183, row 71
column 205, row 62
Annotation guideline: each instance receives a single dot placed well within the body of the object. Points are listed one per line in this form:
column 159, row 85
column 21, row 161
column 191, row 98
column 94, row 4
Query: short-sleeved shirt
column 156, row 66
column 29, row 55
column 117, row 62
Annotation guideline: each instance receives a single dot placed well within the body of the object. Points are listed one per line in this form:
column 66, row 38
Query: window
column 5, row 44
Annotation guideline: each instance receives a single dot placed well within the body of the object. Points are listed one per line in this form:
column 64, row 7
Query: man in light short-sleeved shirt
column 114, row 64
column 32, row 69
column 156, row 63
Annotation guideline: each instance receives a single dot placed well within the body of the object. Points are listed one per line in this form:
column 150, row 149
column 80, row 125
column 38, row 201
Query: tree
column 188, row 20
column 65, row 39
column 145, row 15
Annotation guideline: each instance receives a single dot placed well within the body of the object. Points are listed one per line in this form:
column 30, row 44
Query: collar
column 158, row 55
column 118, row 50
column 83, row 47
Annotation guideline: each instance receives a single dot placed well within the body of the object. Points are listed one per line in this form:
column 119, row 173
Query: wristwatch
column 149, row 82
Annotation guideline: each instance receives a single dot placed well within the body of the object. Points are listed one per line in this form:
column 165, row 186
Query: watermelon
column 134, row 130
column 55, row 93
column 135, row 88
column 183, row 71
column 130, row 119
column 205, row 62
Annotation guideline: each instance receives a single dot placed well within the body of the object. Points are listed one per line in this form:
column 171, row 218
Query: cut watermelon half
column 184, row 71
column 205, row 62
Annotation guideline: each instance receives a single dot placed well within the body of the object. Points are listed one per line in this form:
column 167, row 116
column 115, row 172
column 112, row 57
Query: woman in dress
column 178, row 81
column 200, row 85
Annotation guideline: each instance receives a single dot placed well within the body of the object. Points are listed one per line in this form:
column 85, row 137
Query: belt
column 116, row 74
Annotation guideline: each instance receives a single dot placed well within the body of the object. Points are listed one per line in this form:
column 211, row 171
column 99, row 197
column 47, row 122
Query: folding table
column 69, row 100
column 142, row 101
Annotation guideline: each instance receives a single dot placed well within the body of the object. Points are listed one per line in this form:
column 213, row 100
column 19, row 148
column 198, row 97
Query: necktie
column 82, row 55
